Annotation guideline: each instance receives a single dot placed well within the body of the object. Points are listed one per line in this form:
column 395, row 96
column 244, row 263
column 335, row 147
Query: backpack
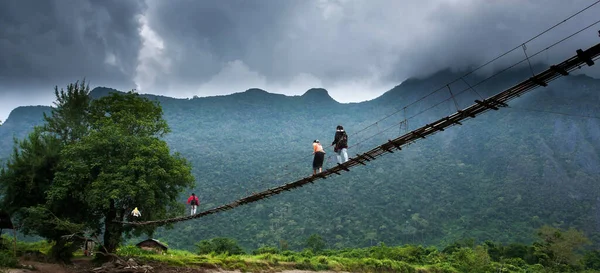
column 194, row 202
column 343, row 140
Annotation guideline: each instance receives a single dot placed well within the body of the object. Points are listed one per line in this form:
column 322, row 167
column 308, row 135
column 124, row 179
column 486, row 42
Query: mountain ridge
column 431, row 83
column 497, row 177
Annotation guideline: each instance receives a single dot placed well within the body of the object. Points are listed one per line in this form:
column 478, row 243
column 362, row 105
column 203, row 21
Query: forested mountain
column 497, row 177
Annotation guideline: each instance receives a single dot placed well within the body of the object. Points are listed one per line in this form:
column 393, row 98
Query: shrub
column 266, row 249
column 219, row 245
column 7, row 259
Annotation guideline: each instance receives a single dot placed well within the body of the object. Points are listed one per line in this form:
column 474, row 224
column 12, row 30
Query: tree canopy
column 91, row 163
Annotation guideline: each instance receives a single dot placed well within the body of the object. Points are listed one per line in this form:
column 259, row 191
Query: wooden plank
column 418, row 134
column 559, row 70
column 362, row 157
column 584, row 57
column 356, row 160
column 453, row 121
column 497, row 103
column 538, row 81
column 398, row 146
column 486, row 105
column 463, row 113
column 435, row 127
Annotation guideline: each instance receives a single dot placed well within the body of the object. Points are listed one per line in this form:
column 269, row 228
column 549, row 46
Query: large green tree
column 121, row 164
column 560, row 247
column 30, row 171
column 90, row 164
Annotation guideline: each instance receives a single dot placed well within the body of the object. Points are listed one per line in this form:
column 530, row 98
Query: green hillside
column 498, row 177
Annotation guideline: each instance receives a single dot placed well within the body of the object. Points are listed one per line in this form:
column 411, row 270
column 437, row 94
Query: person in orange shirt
column 319, row 156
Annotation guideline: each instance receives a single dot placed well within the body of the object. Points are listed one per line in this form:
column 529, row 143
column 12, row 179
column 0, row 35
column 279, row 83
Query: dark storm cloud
column 467, row 35
column 356, row 49
column 58, row 41
column 202, row 36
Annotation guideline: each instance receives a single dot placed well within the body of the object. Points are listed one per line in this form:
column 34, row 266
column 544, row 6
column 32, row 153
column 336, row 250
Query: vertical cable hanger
column 471, row 87
column 527, row 57
column 453, row 98
column 403, row 128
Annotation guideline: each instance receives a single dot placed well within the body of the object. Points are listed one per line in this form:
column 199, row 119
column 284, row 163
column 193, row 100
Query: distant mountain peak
column 101, row 91
column 317, row 93
column 256, row 91
column 251, row 94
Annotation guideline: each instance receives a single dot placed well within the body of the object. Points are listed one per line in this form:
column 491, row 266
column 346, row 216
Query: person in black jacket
column 341, row 144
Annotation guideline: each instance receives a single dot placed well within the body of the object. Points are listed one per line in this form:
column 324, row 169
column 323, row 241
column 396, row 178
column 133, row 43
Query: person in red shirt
column 194, row 202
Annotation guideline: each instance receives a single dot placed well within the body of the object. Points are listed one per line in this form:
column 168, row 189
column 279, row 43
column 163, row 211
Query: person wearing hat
column 319, row 156
column 194, row 202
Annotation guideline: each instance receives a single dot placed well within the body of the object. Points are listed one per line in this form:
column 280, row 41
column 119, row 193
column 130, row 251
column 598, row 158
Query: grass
column 410, row 259
column 388, row 259
column 272, row 262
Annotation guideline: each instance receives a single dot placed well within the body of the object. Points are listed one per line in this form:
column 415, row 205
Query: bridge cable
column 462, row 77
column 472, row 87
column 553, row 112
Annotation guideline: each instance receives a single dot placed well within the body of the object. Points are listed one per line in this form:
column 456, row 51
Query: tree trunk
column 112, row 231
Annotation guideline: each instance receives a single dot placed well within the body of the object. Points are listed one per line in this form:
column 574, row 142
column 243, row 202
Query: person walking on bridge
column 319, row 156
column 194, row 203
column 341, row 144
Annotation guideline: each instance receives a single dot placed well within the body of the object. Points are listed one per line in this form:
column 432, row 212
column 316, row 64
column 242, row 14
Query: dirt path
column 286, row 271
column 56, row 268
column 84, row 265
column 42, row 268
column 79, row 265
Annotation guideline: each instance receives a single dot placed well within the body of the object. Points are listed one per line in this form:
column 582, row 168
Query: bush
column 591, row 260
column 266, row 249
column 8, row 260
column 315, row 243
column 62, row 251
column 220, row 246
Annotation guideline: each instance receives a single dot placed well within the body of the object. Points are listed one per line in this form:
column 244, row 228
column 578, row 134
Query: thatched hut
column 153, row 245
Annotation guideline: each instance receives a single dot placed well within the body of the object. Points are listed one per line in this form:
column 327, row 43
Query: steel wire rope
column 470, row 87
column 472, row 71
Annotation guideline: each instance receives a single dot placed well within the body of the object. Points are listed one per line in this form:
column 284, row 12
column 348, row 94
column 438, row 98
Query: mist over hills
column 497, row 177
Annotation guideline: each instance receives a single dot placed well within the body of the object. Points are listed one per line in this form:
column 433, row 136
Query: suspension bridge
column 494, row 102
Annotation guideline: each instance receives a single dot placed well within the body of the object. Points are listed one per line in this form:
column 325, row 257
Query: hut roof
column 152, row 242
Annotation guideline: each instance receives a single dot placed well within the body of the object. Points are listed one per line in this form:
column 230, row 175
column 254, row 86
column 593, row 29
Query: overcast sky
column 355, row 49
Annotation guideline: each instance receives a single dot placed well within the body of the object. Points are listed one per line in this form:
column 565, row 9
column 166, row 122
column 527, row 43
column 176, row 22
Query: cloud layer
column 355, row 49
